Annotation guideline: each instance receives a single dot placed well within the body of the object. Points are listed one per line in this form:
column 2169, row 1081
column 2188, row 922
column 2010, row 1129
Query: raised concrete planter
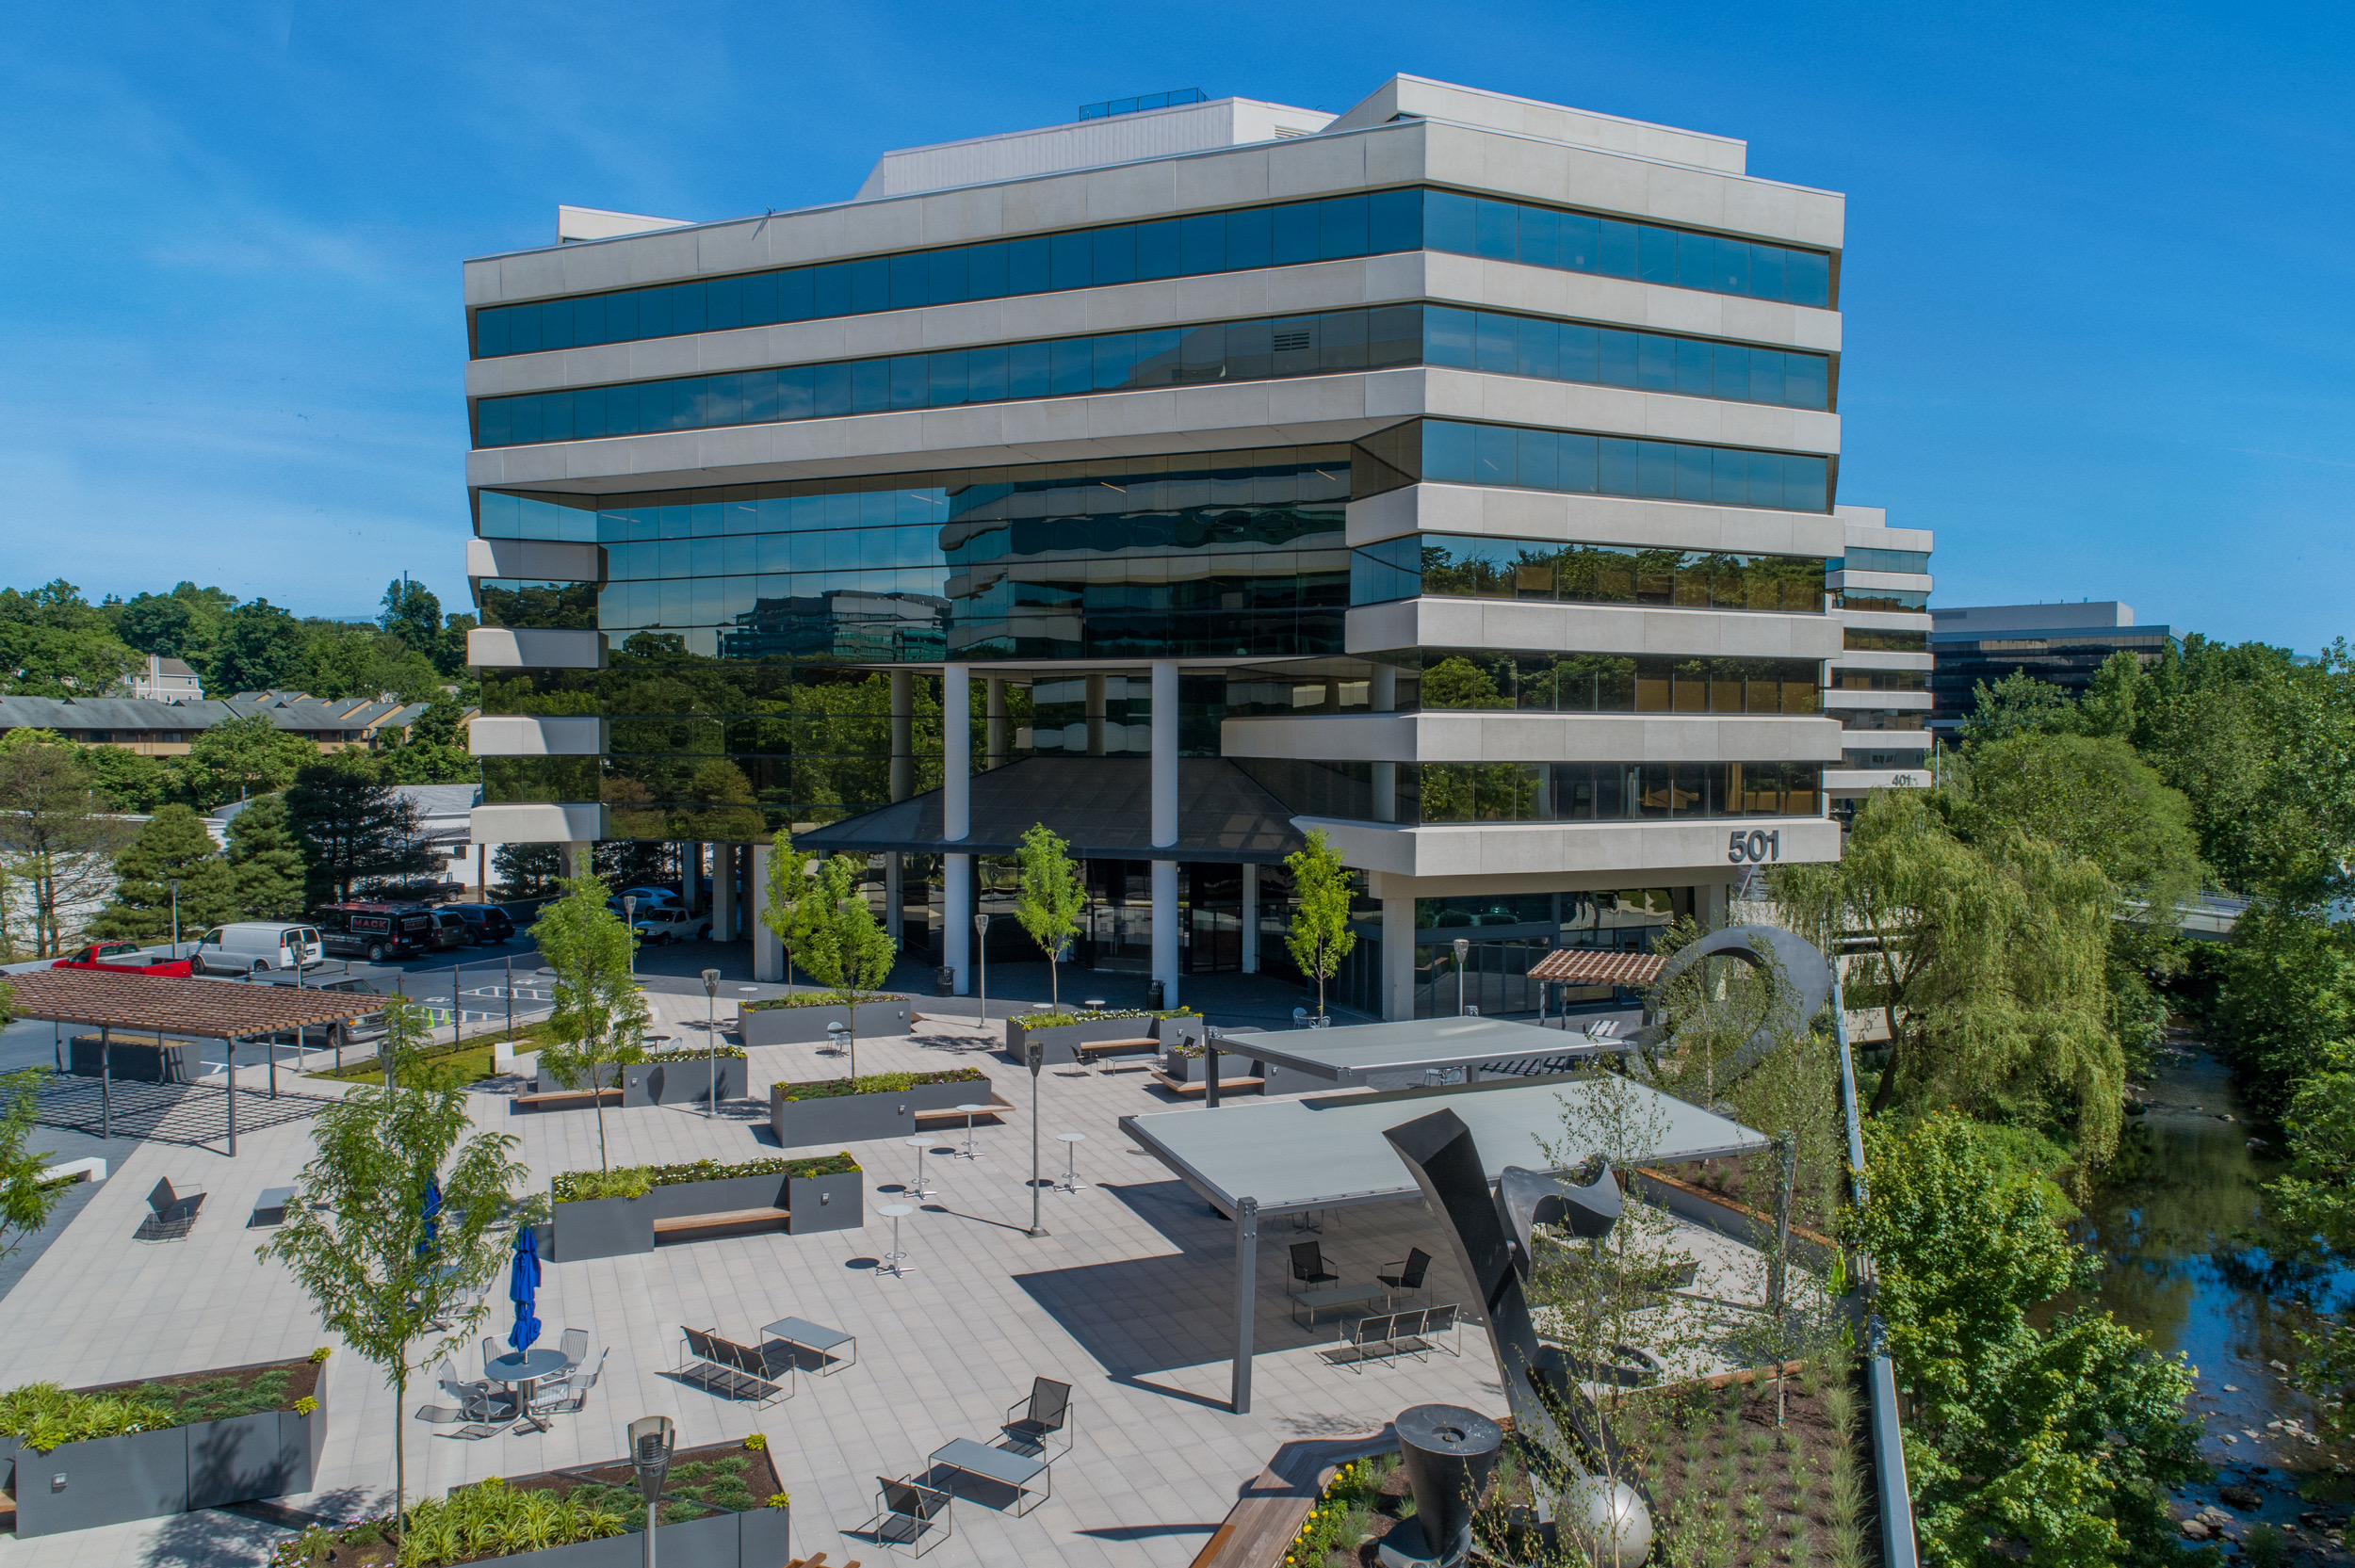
column 807, row 1026
column 839, row 1119
column 151, row 1475
column 1062, row 1039
column 617, row 1227
column 758, row 1538
column 1230, row 1067
column 672, row 1083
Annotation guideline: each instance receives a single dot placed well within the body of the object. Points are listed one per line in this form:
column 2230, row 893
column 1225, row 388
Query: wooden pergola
column 1599, row 966
column 230, row 1012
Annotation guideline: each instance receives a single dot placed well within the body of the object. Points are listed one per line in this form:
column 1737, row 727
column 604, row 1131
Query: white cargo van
column 252, row 945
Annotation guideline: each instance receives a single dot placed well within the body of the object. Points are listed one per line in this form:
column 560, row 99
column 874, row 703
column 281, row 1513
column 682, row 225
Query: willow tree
column 1987, row 961
column 1053, row 898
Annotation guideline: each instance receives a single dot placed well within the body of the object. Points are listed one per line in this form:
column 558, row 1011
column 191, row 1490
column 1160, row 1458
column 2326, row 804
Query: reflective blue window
column 1457, row 453
column 1283, row 234
column 1332, row 341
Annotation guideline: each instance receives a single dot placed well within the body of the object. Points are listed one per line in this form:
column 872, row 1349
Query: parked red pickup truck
column 122, row 958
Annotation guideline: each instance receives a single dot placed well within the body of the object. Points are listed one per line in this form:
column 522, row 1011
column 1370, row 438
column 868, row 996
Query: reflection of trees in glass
column 571, row 605
column 1457, row 681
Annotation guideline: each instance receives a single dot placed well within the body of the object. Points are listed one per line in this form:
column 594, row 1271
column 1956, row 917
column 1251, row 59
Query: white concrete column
column 1384, row 693
column 956, row 820
column 1165, row 828
column 1250, row 919
column 578, row 857
column 768, row 951
column 903, row 733
column 895, row 873
column 724, row 891
column 1398, row 958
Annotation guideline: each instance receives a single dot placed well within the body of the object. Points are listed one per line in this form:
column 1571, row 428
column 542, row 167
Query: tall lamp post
column 1463, row 950
column 711, row 1037
column 1034, row 1057
column 980, row 949
column 174, row 885
column 650, row 1443
column 630, row 919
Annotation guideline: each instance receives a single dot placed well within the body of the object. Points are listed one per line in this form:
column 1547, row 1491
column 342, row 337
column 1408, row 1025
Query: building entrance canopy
column 1292, row 1157
column 1397, row 1055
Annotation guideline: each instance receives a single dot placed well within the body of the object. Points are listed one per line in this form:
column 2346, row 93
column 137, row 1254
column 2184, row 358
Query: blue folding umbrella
column 432, row 1207
column 523, row 1281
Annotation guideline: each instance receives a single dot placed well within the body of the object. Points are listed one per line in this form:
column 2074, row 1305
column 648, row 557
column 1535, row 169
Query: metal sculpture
column 1551, row 1413
column 1448, row 1453
column 1800, row 987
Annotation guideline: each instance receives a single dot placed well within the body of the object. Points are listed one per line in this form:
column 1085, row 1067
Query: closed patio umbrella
column 522, row 1284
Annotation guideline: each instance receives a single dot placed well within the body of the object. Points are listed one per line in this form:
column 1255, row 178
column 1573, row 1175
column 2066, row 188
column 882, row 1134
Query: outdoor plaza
column 1179, row 1326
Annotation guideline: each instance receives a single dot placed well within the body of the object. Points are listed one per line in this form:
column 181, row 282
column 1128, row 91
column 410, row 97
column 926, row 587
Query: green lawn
column 472, row 1058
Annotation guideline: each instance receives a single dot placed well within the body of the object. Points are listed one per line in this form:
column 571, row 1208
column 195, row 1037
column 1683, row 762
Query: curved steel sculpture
column 1801, row 988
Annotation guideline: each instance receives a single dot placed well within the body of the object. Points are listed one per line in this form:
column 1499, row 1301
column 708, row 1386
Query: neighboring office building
column 169, row 729
column 1453, row 475
column 163, row 680
column 2061, row 643
column 1880, row 682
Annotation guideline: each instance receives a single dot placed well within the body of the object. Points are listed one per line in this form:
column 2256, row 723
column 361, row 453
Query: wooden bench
column 951, row 1116
column 1196, row 1088
column 1093, row 1053
column 547, row 1098
column 723, row 1220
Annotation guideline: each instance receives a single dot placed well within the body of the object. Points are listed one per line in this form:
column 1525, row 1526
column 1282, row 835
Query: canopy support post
column 229, row 1045
column 1246, row 1292
column 106, row 1083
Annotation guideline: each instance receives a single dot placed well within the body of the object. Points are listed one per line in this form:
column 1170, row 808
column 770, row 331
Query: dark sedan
column 488, row 924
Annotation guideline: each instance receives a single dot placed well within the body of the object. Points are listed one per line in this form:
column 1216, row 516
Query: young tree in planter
column 1320, row 937
column 844, row 948
column 356, row 1238
column 1052, row 899
column 173, row 846
column 268, row 860
column 600, row 1016
column 25, row 1203
column 792, row 907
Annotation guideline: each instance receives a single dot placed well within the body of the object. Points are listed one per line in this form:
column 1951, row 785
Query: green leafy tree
column 1320, row 936
column 2094, row 798
column 782, row 912
column 2314, row 1205
column 261, row 648
column 412, row 613
column 1987, row 961
column 58, row 838
column 345, row 660
column 24, row 1201
column 600, row 1017
column 183, row 625
column 431, row 750
column 2017, row 703
column 2053, row 1446
column 241, row 757
column 128, row 781
column 357, row 1239
column 524, row 870
column 353, row 826
column 1456, row 682
column 267, row 857
column 2285, row 1000
column 1052, row 899
column 56, row 643
column 173, row 844
column 844, row 946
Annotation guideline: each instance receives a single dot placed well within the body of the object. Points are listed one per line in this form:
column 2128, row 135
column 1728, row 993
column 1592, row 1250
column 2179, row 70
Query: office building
column 1455, row 475
column 2061, row 643
column 1878, row 686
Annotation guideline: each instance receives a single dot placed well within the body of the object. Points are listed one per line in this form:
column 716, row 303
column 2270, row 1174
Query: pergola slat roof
column 1599, row 966
column 167, row 1004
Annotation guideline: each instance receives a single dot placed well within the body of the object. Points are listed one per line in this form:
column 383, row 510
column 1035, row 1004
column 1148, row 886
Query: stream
column 2175, row 1233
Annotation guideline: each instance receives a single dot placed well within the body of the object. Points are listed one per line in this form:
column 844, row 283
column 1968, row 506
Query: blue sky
column 2098, row 279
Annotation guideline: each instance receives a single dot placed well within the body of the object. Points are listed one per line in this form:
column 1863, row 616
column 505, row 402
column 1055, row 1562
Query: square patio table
column 1338, row 1296
column 1002, row 1465
column 270, row 1207
column 817, row 1338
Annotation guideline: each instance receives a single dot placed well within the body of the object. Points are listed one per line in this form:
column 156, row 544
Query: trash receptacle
column 1153, row 997
column 944, row 982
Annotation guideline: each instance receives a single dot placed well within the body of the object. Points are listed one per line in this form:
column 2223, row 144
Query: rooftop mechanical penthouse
column 1456, row 475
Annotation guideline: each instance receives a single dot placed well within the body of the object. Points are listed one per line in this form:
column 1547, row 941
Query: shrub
column 1096, row 1015
column 817, row 1000
column 873, row 1083
column 635, row 1181
column 306, row 1405
column 686, row 1054
column 492, row 1520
